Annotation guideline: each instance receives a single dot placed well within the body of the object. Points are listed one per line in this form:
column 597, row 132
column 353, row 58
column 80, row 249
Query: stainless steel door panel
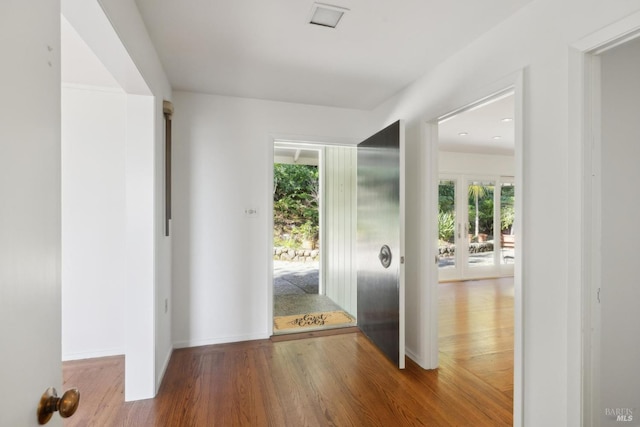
column 379, row 240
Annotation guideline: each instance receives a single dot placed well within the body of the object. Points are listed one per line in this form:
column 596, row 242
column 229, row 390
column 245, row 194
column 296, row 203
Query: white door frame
column 515, row 83
column 584, row 310
column 302, row 140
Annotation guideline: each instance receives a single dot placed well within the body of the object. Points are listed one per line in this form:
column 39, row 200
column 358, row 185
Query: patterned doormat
column 312, row 320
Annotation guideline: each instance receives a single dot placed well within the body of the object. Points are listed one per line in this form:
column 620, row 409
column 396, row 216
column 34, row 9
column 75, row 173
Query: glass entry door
column 449, row 230
column 480, row 224
column 507, row 216
column 475, row 223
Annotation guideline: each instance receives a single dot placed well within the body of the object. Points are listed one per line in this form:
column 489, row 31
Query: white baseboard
column 93, row 354
column 221, row 340
column 413, row 356
column 163, row 371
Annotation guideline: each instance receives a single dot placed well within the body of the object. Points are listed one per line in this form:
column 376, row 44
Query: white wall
column 536, row 39
column 93, row 222
column 475, row 164
column 620, row 317
column 117, row 35
column 29, row 208
column 140, row 307
column 126, row 20
column 340, row 226
column 223, row 165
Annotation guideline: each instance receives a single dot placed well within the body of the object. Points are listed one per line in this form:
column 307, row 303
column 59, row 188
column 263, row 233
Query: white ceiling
column 485, row 129
column 482, row 124
column 267, row 49
column 300, row 154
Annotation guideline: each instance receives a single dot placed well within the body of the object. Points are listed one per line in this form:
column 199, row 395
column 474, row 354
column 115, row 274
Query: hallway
column 335, row 380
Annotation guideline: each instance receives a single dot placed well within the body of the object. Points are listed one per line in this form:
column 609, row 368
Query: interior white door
column 29, row 209
column 380, row 240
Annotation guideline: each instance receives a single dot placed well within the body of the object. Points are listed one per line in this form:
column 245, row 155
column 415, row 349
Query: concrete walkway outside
column 295, row 289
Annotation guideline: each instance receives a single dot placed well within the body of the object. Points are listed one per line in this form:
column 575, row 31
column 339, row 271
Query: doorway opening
column 476, row 192
column 608, row 304
column 108, row 154
column 314, row 231
column 477, row 231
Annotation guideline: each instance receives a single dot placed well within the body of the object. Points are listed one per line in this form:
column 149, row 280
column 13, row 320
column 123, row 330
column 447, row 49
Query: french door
column 475, row 223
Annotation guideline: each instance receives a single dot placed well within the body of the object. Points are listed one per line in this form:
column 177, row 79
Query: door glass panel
column 447, row 224
column 507, row 215
column 480, row 227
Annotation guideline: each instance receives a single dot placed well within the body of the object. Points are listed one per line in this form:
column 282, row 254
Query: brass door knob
column 50, row 403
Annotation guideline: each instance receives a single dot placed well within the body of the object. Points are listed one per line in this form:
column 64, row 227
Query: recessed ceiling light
column 507, row 119
column 463, row 133
column 497, row 137
column 326, row 15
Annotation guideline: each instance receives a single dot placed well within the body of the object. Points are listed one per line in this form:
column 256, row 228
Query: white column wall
column 117, row 35
column 140, row 301
column 130, row 28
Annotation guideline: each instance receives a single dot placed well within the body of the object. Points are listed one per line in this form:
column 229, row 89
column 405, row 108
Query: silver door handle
column 385, row 256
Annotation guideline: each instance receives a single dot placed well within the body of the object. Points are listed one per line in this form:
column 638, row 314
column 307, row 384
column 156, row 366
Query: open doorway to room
column 314, row 233
column 476, row 196
column 93, row 254
column 608, row 101
column 476, row 234
column 107, row 173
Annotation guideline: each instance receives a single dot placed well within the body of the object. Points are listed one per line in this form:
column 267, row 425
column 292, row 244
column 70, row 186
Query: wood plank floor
column 476, row 329
column 340, row 380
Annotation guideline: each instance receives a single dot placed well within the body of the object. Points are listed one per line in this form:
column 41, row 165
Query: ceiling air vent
column 326, row 15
